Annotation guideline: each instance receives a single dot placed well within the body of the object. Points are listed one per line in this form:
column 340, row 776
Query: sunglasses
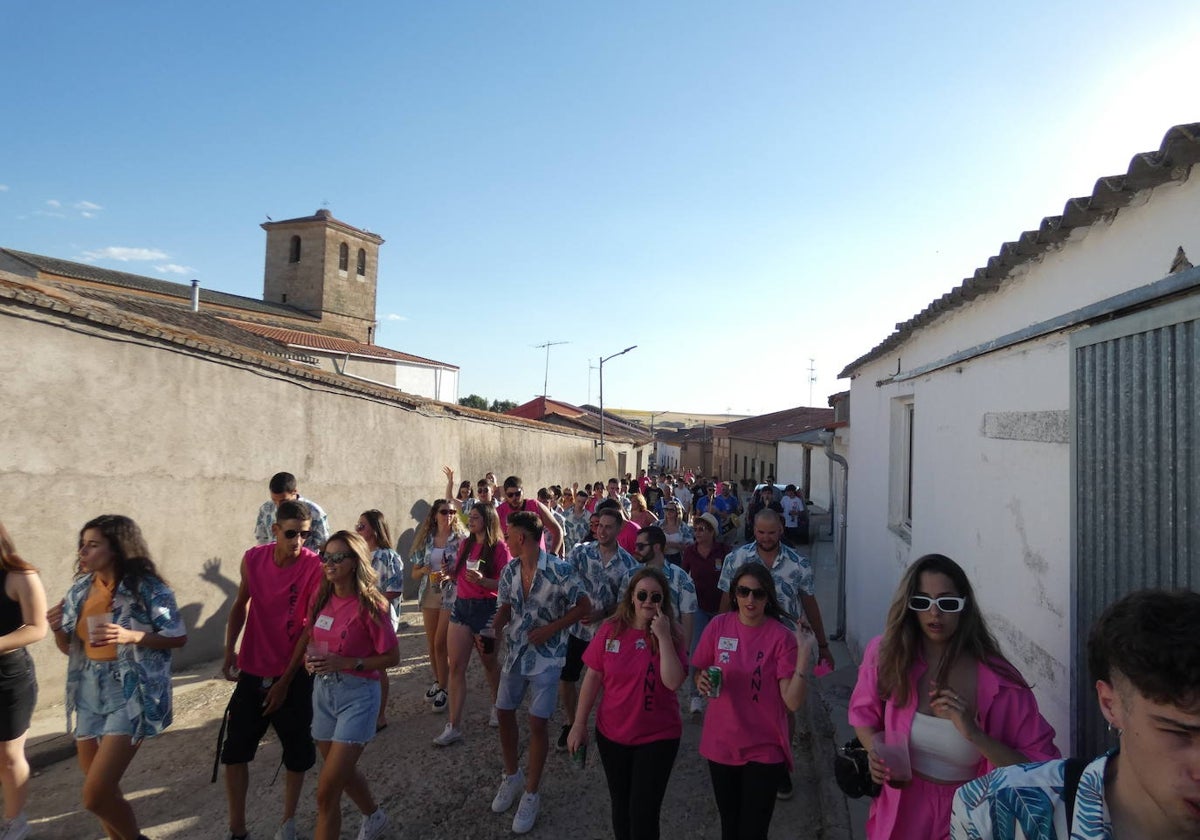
column 445, row 512
column 756, row 594
column 642, row 595
column 641, row 546
column 292, row 533
column 336, row 557
column 513, row 494
column 946, row 604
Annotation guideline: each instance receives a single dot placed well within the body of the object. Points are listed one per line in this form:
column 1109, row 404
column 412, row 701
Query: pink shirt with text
column 500, row 558
column 342, row 625
column 748, row 720
column 278, row 600
column 636, row 708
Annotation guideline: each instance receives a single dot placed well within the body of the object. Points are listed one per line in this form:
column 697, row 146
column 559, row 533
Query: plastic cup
column 892, row 749
column 94, row 622
column 316, row 650
column 474, row 565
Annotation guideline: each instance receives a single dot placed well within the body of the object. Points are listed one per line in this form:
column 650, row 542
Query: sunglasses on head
column 335, row 557
column 946, row 604
column 642, row 595
column 756, row 594
column 292, row 533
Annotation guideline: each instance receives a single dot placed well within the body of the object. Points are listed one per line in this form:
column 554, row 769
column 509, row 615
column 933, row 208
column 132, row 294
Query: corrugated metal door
column 1136, row 465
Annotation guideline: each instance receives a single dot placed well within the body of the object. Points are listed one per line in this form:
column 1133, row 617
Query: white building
column 1039, row 425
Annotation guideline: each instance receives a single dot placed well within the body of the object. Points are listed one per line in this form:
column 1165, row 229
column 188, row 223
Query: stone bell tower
column 327, row 268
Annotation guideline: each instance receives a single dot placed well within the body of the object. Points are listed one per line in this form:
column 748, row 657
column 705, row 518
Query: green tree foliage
column 501, row 406
column 474, row 401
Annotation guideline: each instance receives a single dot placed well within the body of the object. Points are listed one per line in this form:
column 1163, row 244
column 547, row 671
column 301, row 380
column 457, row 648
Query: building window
column 902, row 451
column 343, row 257
column 362, row 263
column 294, row 250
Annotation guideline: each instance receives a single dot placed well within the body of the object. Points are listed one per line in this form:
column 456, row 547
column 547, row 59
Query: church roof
column 329, row 344
column 325, row 216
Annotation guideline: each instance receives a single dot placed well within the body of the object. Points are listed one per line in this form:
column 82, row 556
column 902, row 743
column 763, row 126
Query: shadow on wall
column 404, row 545
column 207, row 641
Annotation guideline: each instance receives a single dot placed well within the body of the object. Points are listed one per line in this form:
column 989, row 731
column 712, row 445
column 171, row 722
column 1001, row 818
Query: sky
column 752, row 194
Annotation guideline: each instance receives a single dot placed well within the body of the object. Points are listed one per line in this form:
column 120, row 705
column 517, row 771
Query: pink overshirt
column 1006, row 711
column 342, row 625
column 635, row 708
column 748, row 720
column 275, row 616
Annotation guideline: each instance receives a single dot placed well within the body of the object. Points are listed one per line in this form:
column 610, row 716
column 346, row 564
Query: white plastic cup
column 94, row 622
column 892, row 749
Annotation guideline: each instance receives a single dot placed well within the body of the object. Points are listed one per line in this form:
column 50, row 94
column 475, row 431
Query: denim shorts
column 543, row 697
column 100, row 704
column 476, row 613
column 345, row 708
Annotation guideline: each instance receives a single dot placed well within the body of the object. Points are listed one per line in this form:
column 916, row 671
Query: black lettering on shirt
column 756, row 677
column 649, row 684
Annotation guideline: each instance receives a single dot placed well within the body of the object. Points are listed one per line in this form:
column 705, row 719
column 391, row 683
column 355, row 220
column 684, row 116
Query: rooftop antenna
column 546, row 380
column 812, row 377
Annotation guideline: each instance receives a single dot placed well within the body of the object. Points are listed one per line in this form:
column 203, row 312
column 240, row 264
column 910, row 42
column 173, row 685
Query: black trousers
column 745, row 796
column 637, row 781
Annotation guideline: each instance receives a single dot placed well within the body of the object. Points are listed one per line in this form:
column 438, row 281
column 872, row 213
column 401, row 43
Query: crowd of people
column 606, row 601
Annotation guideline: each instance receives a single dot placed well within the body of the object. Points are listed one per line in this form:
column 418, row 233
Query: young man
column 603, row 566
column 540, row 597
column 283, row 489
column 1144, row 654
column 483, row 493
column 627, row 536
column 514, row 500
column 277, row 581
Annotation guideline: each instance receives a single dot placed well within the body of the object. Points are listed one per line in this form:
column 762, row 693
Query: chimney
column 195, row 295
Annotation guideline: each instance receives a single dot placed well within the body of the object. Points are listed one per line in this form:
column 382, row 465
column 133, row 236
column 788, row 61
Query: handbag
column 852, row 770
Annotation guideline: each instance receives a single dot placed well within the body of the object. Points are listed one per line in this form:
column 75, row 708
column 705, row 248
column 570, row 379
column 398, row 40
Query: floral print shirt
column 389, row 566
column 1025, row 802
column 556, row 588
column 266, row 518
column 145, row 672
column 792, row 572
column 420, row 557
column 602, row 581
column 577, row 528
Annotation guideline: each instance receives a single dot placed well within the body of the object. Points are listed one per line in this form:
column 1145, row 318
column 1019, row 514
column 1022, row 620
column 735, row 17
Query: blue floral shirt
column 577, row 528
column 792, row 572
column 420, row 557
column 266, row 518
column 556, row 588
column 390, row 568
column 1025, row 802
column 603, row 581
column 145, row 672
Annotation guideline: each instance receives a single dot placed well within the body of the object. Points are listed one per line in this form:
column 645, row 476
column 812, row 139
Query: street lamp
column 602, row 361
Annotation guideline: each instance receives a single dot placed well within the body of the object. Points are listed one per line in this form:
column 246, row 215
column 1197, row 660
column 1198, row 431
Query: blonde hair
column 372, row 603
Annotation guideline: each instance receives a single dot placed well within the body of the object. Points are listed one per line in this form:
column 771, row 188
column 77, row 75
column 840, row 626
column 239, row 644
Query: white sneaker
column 449, row 735
column 697, row 706
column 373, row 825
column 510, row 786
column 440, row 700
column 493, row 719
column 15, row 829
column 433, row 690
column 526, row 814
column 286, row 831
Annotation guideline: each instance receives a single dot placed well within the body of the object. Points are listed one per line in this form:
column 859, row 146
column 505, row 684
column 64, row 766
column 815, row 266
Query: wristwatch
column 358, row 664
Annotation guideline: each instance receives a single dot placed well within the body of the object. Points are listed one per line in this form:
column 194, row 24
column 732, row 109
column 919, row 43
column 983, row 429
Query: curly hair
column 1152, row 638
column 131, row 555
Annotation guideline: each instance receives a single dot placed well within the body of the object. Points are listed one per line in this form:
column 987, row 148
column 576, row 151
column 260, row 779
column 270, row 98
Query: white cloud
column 174, row 268
column 54, row 202
column 392, row 316
column 86, row 205
column 123, row 254
column 88, row 215
column 3, row 187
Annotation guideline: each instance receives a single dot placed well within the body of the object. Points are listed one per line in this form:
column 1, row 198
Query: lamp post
column 602, row 361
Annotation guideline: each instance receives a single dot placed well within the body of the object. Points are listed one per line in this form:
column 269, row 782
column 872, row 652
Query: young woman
column 636, row 659
column 464, row 500
column 117, row 624
column 347, row 642
column 435, row 548
column 22, row 622
column 639, row 513
column 679, row 533
column 703, row 560
column 476, row 574
column 763, row 680
column 937, row 675
column 389, row 571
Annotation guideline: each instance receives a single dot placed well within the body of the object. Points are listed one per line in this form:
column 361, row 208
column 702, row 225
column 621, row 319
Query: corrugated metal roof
column 330, row 344
column 1180, row 149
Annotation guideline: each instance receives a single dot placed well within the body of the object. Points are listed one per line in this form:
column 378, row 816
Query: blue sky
column 736, row 188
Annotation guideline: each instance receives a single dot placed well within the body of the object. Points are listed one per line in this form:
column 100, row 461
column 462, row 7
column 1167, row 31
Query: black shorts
column 572, row 671
column 292, row 722
column 18, row 694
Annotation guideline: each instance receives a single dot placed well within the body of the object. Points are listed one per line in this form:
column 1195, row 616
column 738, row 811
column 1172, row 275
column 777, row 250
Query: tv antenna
column 547, row 346
column 812, row 377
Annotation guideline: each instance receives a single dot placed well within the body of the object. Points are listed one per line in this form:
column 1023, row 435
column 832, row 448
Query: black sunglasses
column 642, row 595
column 756, row 594
column 290, row 534
column 336, row 557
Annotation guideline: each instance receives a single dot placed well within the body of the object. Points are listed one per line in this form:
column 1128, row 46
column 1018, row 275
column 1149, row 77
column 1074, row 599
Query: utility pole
column 591, row 367
column 602, row 361
column 812, row 377
column 546, row 380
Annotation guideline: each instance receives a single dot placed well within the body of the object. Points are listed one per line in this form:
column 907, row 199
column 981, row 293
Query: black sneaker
column 562, row 738
column 785, row 787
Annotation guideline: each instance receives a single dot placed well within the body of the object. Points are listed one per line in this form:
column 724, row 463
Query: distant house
column 589, row 418
column 749, row 450
column 318, row 304
column 1039, row 424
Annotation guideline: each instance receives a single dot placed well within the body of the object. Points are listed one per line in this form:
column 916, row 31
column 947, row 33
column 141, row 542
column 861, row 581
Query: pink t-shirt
column 505, row 510
column 342, row 625
column 278, row 601
column 628, row 536
column 636, row 708
column 500, row 558
column 748, row 720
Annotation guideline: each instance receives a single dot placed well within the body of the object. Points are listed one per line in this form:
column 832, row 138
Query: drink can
column 579, row 757
column 714, row 681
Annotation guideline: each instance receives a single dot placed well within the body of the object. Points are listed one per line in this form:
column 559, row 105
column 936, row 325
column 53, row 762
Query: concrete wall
column 999, row 506
column 98, row 421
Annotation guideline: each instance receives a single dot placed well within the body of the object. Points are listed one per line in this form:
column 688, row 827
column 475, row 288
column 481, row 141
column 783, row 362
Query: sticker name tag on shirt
column 612, row 646
column 324, row 621
column 727, row 643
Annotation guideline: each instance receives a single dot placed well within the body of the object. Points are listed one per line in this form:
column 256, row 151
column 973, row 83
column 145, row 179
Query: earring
column 1112, row 729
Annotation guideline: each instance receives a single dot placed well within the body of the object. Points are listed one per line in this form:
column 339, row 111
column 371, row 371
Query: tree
column 474, row 401
column 501, row 406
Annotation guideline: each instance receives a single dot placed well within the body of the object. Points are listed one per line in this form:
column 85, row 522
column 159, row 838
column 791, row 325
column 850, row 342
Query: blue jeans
column 345, row 708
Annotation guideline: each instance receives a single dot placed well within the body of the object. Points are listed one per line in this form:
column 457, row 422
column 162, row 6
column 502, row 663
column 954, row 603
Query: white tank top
column 939, row 752
column 437, row 558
